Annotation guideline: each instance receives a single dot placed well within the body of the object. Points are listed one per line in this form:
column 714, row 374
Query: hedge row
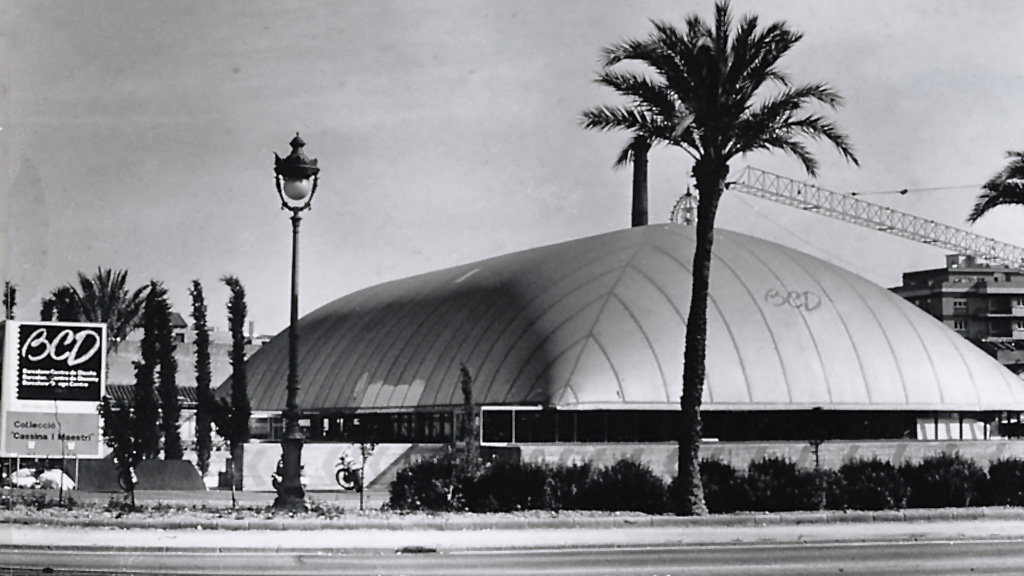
column 772, row 484
column 441, row 484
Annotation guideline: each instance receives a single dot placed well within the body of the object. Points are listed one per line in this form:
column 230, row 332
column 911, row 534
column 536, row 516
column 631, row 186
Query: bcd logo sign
column 60, row 361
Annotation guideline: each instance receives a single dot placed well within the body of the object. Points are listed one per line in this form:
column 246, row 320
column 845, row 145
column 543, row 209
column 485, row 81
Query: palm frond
column 1014, row 169
column 777, row 119
column 793, row 147
column 1003, row 189
column 628, row 153
column 643, row 92
column 104, row 297
column 605, row 118
column 1009, row 192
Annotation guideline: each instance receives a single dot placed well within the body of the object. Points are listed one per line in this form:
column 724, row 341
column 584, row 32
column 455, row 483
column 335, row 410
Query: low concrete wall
column 101, row 475
column 663, row 459
column 320, row 460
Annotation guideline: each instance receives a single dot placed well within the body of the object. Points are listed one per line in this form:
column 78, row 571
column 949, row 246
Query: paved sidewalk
column 13, row 538
column 377, row 531
column 226, row 520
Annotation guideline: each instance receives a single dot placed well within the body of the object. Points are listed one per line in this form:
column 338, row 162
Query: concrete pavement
column 15, row 537
column 392, row 533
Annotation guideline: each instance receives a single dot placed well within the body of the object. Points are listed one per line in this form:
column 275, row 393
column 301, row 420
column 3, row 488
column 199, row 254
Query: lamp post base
column 291, row 502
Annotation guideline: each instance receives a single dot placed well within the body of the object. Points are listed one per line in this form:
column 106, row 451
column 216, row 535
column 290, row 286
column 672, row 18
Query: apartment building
column 981, row 302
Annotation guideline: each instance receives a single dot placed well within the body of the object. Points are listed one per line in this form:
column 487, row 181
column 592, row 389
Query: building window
column 959, row 303
column 959, row 325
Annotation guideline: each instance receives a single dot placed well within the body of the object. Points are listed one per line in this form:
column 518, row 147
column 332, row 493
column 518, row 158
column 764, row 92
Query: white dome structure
column 598, row 324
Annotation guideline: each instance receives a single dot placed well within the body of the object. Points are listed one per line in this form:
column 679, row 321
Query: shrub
column 119, row 506
column 1006, row 482
column 565, row 483
column 871, row 485
column 725, row 490
column 625, row 485
column 776, row 484
column 943, row 481
column 37, row 501
column 432, row 484
column 835, row 497
column 508, row 486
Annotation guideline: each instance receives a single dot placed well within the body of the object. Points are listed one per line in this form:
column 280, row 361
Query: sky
column 141, row 135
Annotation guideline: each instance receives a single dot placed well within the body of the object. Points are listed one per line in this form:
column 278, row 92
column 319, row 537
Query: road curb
column 498, row 522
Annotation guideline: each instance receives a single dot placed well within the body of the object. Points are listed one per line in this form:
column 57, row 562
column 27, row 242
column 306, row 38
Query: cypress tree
column 204, row 395
column 146, row 423
column 470, row 431
column 233, row 414
column 118, row 426
column 167, row 387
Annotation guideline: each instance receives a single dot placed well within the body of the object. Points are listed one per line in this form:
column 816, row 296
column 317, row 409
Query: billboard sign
column 54, row 378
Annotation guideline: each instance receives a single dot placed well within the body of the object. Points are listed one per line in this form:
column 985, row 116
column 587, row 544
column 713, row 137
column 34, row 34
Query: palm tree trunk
column 640, row 149
column 690, row 495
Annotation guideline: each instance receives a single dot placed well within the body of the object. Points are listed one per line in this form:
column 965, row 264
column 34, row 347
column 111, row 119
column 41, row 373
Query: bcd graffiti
column 806, row 300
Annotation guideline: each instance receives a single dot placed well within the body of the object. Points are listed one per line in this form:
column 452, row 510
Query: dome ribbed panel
column 599, row 322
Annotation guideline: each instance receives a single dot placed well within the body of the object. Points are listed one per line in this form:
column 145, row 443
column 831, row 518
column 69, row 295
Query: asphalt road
column 932, row 558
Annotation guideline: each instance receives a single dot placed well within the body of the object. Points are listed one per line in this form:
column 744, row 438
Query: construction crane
column 845, row 207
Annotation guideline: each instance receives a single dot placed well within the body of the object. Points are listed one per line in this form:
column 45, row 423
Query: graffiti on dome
column 799, row 299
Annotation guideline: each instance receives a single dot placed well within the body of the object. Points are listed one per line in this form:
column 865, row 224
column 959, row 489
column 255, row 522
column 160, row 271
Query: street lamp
column 296, row 177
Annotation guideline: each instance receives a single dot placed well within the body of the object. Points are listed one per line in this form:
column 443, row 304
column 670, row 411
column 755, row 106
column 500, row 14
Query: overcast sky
column 140, row 135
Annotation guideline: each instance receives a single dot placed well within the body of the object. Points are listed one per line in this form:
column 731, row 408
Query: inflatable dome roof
column 598, row 323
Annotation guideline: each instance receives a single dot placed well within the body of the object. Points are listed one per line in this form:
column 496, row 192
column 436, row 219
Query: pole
column 290, row 493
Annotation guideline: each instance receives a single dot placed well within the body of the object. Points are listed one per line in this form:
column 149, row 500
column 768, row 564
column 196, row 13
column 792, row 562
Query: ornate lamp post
column 685, row 210
column 296, row 179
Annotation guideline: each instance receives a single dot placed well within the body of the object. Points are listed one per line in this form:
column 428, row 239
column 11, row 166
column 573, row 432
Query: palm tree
column 1006, row 187
column 104, row 297
column 60, row 306
column 714, row 81
column 651, row 119
column 10, row 299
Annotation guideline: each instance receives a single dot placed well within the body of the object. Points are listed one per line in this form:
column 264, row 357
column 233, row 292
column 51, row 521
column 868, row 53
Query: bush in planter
column 725, row 489
column 1006, row 482
column 625, row 485
column 508, row 486
column 565, row 483
column 835, row 499
column 776, row 484
column 944, row 481
column 872, row 485
column 433, row 484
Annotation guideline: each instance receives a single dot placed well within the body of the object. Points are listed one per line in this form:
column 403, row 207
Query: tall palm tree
column 652, row 119
column 10, row 299
column 722, row 88
column 1006, row 187
column 105, row 297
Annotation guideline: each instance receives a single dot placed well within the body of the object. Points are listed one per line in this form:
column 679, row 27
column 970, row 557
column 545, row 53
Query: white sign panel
column 54, row 377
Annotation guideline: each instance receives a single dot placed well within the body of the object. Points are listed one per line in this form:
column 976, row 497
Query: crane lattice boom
column 843, row 207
